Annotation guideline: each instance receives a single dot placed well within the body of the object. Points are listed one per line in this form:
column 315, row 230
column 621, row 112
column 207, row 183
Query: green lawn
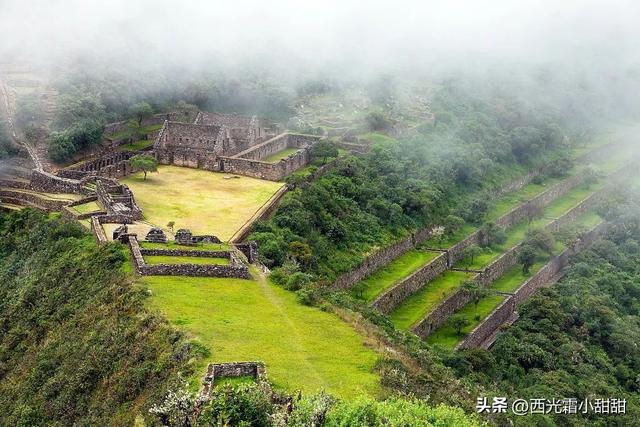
column 512, row 200
column 163, row 259
column 244, row 320
column 171, row 244
column 136, row 146
column 234, row 381
column 369, row 288
column 509, row 282
column 128, row 132
column 448, row 337
column 416, row 306
column 274, row 158
column 204, row 202
column 87, row 207
column 445, row 241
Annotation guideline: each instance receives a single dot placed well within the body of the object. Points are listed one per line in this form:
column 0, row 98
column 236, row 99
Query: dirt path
column 12, row 129
column 275, row 300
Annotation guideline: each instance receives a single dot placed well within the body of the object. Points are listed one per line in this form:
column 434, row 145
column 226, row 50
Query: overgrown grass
column 369, row 288
column 283, row 154
column 243, row 320
column 87, row 207
column 202, row 201
column 171, row 244
column 133, row 130
column 425, row 300
column 136, row 146
column 447, row 336
column 164, row 259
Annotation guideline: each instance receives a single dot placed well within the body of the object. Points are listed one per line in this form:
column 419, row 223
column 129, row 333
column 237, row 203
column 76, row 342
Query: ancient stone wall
column 249, row 249
column 12, row 183
column 117, row 198
column 230, row 370
column 186, row 252
column 263, row 170
column 235, row 268
column 262, row 213
column 545, row 276
column 32, row 200
column 390, row 299
column 98, row 231
column 373, row 262
column 49, row 183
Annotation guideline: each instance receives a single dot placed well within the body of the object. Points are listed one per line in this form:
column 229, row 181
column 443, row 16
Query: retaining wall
column 49, row 183
column 230, row 370
column 395, row 295
column 545, row 276
column 234, row 269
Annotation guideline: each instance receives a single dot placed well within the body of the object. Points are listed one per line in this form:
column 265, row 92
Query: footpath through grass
column 244, row 320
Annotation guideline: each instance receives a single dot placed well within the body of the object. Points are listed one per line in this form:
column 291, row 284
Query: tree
column 324, row 149
column 470, row 254
column 452, row 224
column 540, row 239
column 170, row 225
column 145, row 163
column 527, row 257
column 458, row 322
column 141, row 111
column 491, row 234
column 591, row 176
column 476, row 291
column 378, row 121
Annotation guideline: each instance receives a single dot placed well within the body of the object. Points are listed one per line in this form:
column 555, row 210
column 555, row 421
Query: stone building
column 231, row 143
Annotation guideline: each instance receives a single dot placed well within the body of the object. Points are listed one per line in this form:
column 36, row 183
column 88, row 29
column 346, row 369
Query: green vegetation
column 215, row 204
column 87, row 207
column 136, row 146
column 283, row 154
column 77, row 346
column 254, row 320
column 171, row 244
column 144, row 163
column 167, row 259
column 578, row 337
column 369, row 288
column 414, row 308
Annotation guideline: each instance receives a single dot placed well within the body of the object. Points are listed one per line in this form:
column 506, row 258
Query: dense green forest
column 403, row 184
column 77, row 347
column 578, row 338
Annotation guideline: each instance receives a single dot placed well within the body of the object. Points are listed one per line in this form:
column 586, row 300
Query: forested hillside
column 578, row 338
column 76, row 345
column 479, row 139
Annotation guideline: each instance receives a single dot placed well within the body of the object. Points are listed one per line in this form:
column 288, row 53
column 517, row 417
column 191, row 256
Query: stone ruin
column 120, row 233
column 255, row 370
column 231, row 143
column 184, row 237
column 156, row 235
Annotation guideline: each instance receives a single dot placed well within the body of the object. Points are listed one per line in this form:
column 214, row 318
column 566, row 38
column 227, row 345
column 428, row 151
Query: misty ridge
column 341, row 39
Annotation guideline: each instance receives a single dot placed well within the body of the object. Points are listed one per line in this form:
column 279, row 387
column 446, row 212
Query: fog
column 348, row 37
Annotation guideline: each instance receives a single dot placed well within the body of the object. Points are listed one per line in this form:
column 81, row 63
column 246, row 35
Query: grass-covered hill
column 78, row 348
column 76, row 345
